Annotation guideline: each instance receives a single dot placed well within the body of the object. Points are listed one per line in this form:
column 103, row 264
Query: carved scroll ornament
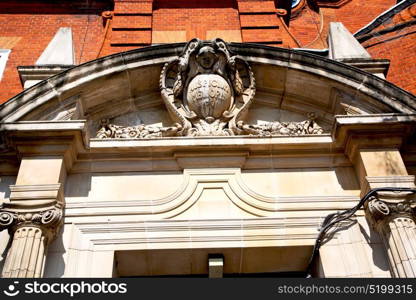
column 48, row 219
column 207, row 92
column 381, row 210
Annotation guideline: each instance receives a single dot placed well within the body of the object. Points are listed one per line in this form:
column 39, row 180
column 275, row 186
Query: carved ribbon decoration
column 46, row 218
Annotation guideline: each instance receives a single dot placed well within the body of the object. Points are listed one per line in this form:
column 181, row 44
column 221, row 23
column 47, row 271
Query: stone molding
column 349, row 134
column 195, row 181
column 26, row 256
column 368, row 84
column 118, row 235
column 395, row 221
column 46, row 215
column 307, row 127
column 31, row 75
column 111, row 131
column 374, row 66
column 33, row 218
column 33, row 205
column 89, row 239
column 373, row 131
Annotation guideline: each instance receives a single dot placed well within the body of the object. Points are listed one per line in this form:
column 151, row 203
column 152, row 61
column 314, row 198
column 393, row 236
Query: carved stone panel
column 208, row 91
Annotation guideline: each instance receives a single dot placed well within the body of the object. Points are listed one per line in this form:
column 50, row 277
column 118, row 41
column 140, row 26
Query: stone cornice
column 270, row 231
column 24, row 197
column 195, row 182
column 70, row 139
column 391, row 181
column 34, row 205
column 386, row 205
column 372, row 131
column 34, row 138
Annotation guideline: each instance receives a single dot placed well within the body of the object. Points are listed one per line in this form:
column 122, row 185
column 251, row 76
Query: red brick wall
column 260, row 23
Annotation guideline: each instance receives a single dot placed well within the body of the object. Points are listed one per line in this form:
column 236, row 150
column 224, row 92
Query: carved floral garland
column 135, row 132
column 307, row 127
column 48, row 218
column 207, row 92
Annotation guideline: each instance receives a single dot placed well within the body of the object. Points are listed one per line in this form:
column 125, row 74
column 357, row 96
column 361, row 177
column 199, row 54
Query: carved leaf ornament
column 207, row 92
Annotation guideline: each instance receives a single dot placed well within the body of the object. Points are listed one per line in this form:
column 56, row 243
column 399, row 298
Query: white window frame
column 295, row 3
column 4, row 55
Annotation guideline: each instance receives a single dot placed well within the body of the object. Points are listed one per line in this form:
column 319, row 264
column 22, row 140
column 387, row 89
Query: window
column 295, row 3
column 4, row 54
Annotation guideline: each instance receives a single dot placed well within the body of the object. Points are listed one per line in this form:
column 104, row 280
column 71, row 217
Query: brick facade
column 396, row 40
column 32, row 27
column 26, row 27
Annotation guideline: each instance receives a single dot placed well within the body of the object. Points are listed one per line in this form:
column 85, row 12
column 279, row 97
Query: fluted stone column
column 31, row 233
column 390, row 213
column 395, row 221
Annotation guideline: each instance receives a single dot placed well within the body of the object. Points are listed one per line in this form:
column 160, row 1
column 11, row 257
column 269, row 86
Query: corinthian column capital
column 33, row 218
column 381, row 211
column 395, row 221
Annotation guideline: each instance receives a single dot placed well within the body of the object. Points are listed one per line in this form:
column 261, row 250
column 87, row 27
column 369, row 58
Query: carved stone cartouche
column 381, row 211
column 394, row 219
column 46, row 219
column 206, row 89
column 282, row 128
column 207, row 92
column 140, row 131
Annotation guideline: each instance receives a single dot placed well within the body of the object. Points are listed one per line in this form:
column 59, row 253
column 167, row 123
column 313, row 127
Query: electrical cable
column 386, row 15
column 288, row 31
column 107, row 15
column 320, row 29
column 334, row 218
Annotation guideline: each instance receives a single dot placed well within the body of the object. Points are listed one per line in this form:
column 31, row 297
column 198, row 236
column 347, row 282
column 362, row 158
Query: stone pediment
column 207, row 88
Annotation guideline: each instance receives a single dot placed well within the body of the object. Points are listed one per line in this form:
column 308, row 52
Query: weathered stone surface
column 343, row 45
column 60, row 50
column 133, row 204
